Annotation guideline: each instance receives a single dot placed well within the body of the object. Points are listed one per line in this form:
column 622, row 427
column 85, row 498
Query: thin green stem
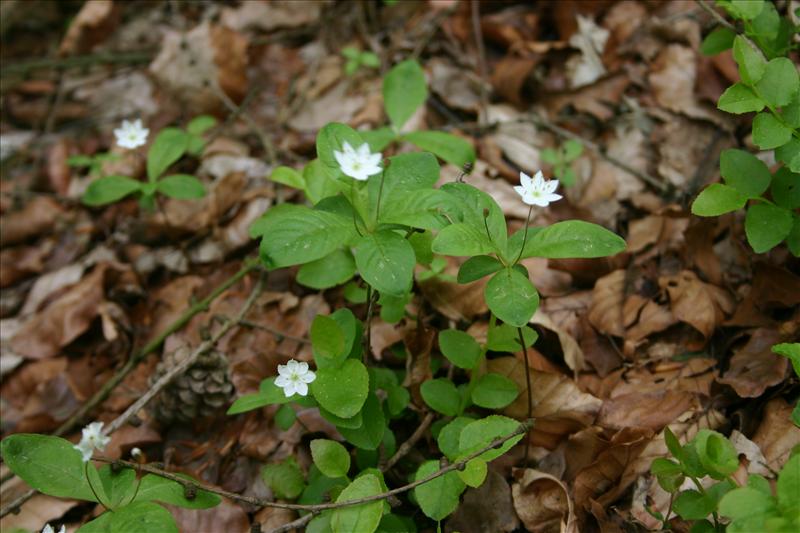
column 353, row 205
column 529, row 387
column 378, row 202
column 91, row 487
column 524, row 235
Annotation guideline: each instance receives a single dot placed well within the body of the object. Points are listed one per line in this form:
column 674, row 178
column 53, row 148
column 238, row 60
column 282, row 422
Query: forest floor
column 677, row 331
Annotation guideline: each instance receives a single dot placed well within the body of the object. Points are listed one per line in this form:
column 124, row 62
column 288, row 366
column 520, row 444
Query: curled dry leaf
column 652, row 410
column 39, row 510
column 456, row 301
column 699, row 304
column 270, row 16
column 754, row 367
column 573, row 355
column 226, row 516
column 543, row 503
column 606, row 309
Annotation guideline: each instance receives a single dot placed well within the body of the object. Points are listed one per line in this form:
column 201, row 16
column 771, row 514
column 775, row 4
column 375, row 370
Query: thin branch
column 269, row 148
column 249, row 265
column 316, row 508
column 184, row 365
column 599, row 150
column 528, row 382
column 719, row 18
column 276, row 332
column 294, row 524
column 483, row 116
column 25, row 66
column 406, row 447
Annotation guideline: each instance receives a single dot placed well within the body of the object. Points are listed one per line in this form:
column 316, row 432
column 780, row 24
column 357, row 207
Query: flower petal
column 525, row 180
column 302, row 367
column 551, row 186
column 301, row 388
column 308, row 377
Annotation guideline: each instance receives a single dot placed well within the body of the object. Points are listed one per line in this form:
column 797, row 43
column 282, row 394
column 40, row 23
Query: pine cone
column 200, row 392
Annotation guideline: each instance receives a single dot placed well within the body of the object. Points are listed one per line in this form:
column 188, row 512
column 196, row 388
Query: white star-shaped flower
column 92, row 439
column 131, row 134
column 537, row 190
column 359, row 164
column 49, row 529
column 294, row 377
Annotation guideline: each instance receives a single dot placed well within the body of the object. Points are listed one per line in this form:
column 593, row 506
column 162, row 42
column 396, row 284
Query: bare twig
column 530, row 391
column 406, row 447
column 269, row 148
column 315, row 508
column 278, row 333
column 294, row 524
column 114, row 381
column 23, row 67
column 719, row 18
column 183, row 365
column 483, row 116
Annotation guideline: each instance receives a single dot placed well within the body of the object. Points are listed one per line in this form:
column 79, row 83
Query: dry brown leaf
column 36, row 512
column 61, row 322
column 94, row 23
column 543, row 503
column 486, row 508
column 652, row 410
column 338, row 104
column 699, row 304
column 270, row 16
column 189, row 63
column 754, row 367
column 36, row 218
column 573, row 355
column 777, row 436
column 456, row 301
column 605, row 311
column 226, row 516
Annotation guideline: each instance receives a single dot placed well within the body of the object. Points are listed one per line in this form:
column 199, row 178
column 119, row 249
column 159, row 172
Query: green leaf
column 370, row 434
column 441, row 396
column 118, row 486
column 738, row 99
column 48, row 464
column 268, row 394
column 766, row 226
column 786, row 188
column 744, row 172
column 331, row 138
column 717, row 454
column 169, row 146
column 397, row 399
column 791, row 112
column 717, row 199
column 284, row 479
column 410, row 172
column 440, row 496
column 789, row 154
column 477, row 267
column 319, row 184
column 780, row 82
column 474, row 473
column 793, row 240
column 353, row 422
column 462, row 240
column 717, row 41
column 327, row 342
column 572, row 239
column 342, row 391
column 285, row 417
column 135, row 518
column 330, row 457
column 361, row 518
column 673, row 445
column 788, row 489
column 181, row 186
column 329, row 271
column 550, row 156
column 288, row 176
column 460, row 348
column 790, row 350
column 378, row 139
column 386, row 261
column 404, row 91
column 200, row 124
column 511, row 297
column 769, row 133
column 692, row 505
column 494, row 391
column 480, row 211
column 109, row 189
column 157, row 488
column 746, row 502
column 294, row 234
column 751, row 62
column 449, row 436
column 572, row 149
column 451, row 148
column 481, row 433
column 669, row 474
column 747, row 9
column 505, row 338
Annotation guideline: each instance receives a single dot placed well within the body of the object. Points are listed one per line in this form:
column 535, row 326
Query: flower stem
column 530, row 390
column 524, row 235
column 89, row 481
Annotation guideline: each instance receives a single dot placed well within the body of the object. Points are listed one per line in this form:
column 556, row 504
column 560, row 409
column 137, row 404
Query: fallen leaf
column 226, row 516
column 38, row 217
column 754, row 367
column 94, row 23
column 777, row 436
column 605, row 311
column 486, row 508
column 270, row 16
column 699, row 304
column 573, row 355
column 543, row 502
column 652, row 410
